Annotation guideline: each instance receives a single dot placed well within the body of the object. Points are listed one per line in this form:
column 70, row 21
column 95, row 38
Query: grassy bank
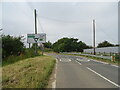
column 28, row 53
column 28, row 73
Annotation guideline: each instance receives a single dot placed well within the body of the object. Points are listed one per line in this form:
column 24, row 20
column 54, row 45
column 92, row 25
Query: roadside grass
column 99, row 59
column 12, row 59
column 28, row 73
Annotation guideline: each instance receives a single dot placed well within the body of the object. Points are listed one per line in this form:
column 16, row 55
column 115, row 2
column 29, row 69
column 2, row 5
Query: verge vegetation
column 28, row 73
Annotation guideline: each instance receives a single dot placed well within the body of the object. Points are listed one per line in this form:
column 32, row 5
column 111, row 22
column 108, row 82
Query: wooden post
column 94, row 37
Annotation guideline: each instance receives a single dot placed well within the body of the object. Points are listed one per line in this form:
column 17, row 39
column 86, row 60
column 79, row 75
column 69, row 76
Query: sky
column 62, row 19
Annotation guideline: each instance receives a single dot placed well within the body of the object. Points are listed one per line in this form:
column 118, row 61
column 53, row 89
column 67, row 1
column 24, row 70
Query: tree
column 11, row 45
column 68, row 45
column 81, row 46
column 105, row 44
column 48, row 44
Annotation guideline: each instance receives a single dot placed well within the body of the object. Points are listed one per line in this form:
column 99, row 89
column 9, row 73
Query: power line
column 38, row 19
column 58, row 20
column 40, row 25
column 22, row 11
column 102, row 30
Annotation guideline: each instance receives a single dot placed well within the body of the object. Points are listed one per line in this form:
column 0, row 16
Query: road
column 79, row 72
column 104, row 57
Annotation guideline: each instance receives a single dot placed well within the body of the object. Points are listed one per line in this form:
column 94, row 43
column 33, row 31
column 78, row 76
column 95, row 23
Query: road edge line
column 55, row 75
column 103, row 77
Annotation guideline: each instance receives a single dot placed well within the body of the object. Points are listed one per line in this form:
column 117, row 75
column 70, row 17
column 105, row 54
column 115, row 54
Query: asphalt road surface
column 104, row 57
column 79, row 72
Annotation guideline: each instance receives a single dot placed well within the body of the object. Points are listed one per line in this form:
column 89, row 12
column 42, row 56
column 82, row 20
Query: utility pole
column 35, row 30
column 36, row 44
column 35, row 21
column 94, row 37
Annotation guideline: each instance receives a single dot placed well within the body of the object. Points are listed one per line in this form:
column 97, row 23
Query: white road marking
column 65, row 60
column 103, row 77
column 55, row 76
column 88, row 60
column 103, row 62
column 60, row 59
column 54, row 85
column 100, row 61
column 83, row 60
column 115, row 66
column 78, row 62
column 69, row 59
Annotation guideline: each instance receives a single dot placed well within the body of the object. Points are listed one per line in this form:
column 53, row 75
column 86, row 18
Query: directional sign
column 36, row 38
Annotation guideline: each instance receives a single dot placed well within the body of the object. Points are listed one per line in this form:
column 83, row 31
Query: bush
column 11, row 46
column 14, row 58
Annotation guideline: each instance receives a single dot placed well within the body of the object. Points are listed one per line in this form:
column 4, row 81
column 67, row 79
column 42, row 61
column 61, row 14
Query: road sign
column 36, row 38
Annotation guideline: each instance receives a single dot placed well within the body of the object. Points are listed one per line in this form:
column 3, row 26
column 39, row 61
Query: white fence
column 103, row 50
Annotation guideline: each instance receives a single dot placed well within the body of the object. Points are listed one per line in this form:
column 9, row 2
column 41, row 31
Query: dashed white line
column 78, row 62
column 103, row 77
column 60, row 60
column 83, row 60
column 69, row 59
column 65, row 60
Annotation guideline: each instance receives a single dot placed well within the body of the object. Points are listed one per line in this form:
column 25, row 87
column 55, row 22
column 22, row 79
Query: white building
column 103, row 50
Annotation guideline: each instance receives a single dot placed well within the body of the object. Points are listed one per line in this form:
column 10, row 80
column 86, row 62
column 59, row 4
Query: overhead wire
column 40, row 24
column 58, row 20
column 17, row 6
column 102, row 30
column 38, row 19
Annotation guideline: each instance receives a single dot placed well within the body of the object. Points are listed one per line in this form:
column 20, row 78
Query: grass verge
column 28, row 73
column 28, row 53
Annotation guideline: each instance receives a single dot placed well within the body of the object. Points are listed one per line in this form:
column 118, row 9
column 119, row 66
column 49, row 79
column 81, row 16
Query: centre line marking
column 69, row 59
column 60, row 59
column 78, row 62
column 103, row 77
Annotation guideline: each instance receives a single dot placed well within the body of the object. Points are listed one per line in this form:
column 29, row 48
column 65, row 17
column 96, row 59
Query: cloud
column 63, row 20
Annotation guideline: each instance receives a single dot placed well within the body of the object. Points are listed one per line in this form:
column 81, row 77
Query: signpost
column 36, row 38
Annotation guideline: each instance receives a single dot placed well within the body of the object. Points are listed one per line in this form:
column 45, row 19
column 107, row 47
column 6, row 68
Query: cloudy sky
column 62, row 19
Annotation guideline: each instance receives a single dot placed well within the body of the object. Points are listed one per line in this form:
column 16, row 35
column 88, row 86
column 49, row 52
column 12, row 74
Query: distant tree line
column 15, row 46
column 71, row 44
column 106, row 44
column 67, row 45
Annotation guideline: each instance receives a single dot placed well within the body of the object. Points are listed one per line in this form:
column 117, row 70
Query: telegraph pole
column 35, row 21
column 94, row 37
column 35, row 30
